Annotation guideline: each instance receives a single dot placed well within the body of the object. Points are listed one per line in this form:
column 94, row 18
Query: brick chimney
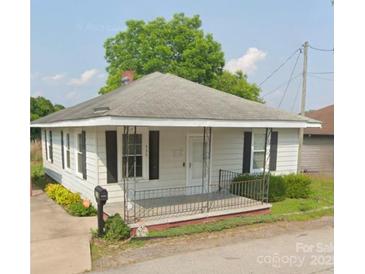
column 127, row 76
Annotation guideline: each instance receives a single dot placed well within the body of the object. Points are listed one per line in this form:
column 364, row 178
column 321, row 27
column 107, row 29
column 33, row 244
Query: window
column 50, row 147
column 62, row 151
column 81, row 154
column 258, row 151
column 67, row 151
column 132, row 148
column 45, row 143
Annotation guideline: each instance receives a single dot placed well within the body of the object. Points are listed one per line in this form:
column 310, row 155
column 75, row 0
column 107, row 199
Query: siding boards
column 318, row 154
column 68, row 177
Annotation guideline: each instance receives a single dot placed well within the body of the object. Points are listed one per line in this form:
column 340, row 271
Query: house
column 168, row 150
column 318, row 143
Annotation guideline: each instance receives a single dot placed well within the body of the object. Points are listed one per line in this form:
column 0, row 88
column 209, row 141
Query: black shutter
column 154, row 154
column 45, row 143
column 273, row 150
column 83, row 147
column 111, row 156
column 50, row 146
column 246, row 167
column 62, row 151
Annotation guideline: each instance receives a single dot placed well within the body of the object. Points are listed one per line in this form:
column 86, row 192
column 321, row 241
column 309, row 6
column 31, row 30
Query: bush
column 277, row 189
column 78, row 209
column 52, row 189
column 116, row 228
column 65, row 197
column 297, row 186
column 61, row 195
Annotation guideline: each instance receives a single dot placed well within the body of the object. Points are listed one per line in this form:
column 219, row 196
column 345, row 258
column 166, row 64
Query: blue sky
column 67, row 55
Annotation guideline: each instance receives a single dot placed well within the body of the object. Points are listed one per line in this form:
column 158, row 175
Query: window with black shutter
column 46, row 143
column 62, row 151
column 50, row 147
column 154, row 154
column 273, row 150
column 111, row 156
column 247, row 142
column 81, row 154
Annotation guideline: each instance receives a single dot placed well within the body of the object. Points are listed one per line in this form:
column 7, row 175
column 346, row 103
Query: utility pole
column 302, row 105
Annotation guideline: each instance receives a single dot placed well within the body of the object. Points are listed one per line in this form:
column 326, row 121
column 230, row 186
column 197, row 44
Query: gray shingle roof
column 159, row 95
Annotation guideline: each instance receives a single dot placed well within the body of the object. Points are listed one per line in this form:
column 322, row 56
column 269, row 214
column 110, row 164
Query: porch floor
column 186, row 207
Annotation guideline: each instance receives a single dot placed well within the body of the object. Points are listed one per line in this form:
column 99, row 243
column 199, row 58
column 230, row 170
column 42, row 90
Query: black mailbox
column 101, row 196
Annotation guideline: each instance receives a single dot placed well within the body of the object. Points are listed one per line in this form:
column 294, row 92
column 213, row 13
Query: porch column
column 207, row 141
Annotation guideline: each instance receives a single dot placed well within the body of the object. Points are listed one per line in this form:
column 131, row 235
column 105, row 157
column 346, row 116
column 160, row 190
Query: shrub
column 116, row 228
column 61, row 195
column 78, row 209
column 65, row 197
column 277, row 189
column 297, row 186
column 52, row 189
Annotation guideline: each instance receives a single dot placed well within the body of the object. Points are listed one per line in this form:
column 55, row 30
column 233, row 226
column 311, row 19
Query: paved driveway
column 308, row 251
column 59, row 242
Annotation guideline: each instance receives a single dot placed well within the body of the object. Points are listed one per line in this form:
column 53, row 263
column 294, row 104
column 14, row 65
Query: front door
column 194, row 164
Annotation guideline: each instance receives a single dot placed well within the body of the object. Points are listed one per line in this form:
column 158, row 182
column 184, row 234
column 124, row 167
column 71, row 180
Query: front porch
column 155, row 207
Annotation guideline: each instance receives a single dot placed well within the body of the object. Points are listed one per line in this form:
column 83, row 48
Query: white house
column 182, row 143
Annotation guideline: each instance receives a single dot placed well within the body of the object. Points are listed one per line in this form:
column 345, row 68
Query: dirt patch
column 118, row 255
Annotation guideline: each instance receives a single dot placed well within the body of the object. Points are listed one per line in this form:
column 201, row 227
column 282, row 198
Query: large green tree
column 39, row 107
column 178, row 46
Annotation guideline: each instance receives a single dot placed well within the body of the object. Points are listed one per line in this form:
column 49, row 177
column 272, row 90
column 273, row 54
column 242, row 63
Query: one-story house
column 168, row 149
column 318, row 143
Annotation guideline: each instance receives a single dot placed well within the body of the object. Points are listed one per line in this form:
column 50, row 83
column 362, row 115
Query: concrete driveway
column 59, row 242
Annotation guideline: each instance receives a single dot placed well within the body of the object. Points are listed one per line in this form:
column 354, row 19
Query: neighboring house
column 318, row 143
column 190, row 142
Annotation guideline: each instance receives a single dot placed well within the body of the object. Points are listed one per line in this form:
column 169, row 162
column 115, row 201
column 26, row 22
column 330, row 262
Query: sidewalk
column 59, row 242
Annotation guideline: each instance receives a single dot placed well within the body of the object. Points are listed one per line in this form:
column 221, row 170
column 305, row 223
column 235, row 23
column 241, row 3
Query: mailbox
column 101, row 196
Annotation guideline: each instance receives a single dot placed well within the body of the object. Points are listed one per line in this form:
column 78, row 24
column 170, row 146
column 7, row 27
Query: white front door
column 194, row 164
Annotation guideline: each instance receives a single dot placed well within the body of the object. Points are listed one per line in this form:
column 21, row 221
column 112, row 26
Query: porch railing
column 234, row 190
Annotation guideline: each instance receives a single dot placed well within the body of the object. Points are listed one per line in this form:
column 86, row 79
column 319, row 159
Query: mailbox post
column 101, row 196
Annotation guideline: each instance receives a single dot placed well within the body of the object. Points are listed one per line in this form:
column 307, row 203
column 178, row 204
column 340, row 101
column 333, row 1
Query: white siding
column 227, row 153
column 288, row 145
column 68, row 177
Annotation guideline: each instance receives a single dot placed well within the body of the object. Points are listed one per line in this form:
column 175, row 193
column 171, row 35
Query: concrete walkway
column 59, row 242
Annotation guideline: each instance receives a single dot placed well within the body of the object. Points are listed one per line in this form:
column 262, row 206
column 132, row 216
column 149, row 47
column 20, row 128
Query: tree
column 39, row 107
column 178, row 46
column 238, row 85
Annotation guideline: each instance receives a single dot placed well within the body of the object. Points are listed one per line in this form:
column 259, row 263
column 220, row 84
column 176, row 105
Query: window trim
column 134, row 155
column 258, row 170
column 76, row 152
column 50, row 146
column 65, row 149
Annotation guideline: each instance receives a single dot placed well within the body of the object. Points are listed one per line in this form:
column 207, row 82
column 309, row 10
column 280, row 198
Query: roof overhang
column 176, row 122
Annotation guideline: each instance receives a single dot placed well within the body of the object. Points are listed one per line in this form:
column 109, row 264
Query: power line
column 279, row 67
column 296, row 96
column 321, row 78
column 319, row 49
column 321, row 72
column 280, row 85
column 290, row 79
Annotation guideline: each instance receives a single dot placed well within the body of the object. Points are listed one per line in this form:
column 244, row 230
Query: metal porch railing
column 234, row 190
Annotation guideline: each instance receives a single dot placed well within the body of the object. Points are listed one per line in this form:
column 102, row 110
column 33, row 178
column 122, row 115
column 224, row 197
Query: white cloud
column 85, row 77
column 55, row 77
column 247, row 62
